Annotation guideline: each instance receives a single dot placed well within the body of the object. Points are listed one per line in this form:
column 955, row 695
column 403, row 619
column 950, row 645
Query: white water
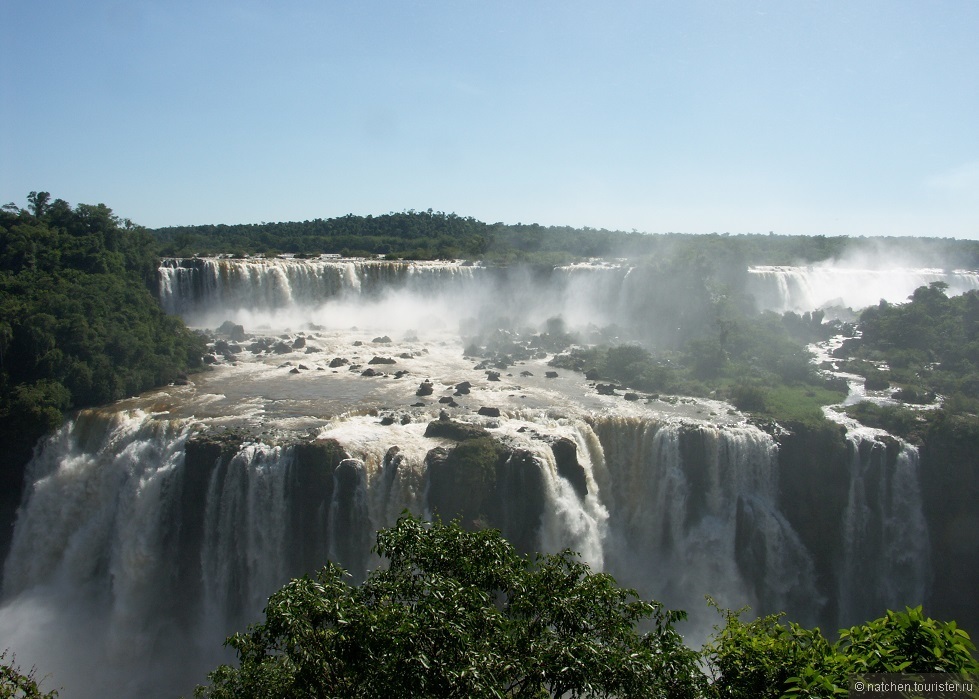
column 705, row 524
column 124, row 578
column 886, row 555
column 802, row 289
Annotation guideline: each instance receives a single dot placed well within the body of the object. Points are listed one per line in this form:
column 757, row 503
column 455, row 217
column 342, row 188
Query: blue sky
column 857, row 118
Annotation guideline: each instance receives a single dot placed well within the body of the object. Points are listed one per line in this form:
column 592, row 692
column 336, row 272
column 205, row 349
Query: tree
column 39, row 202
column 459, row 614
column 16, row 685
column 768, row 658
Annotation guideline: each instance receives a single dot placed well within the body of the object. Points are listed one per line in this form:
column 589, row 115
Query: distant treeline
column 437, row 235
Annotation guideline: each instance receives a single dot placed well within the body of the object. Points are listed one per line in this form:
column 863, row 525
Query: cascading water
column 694, row 511
column 154, row 528
column 801, row 289
column 195, row 288
column 886, row 557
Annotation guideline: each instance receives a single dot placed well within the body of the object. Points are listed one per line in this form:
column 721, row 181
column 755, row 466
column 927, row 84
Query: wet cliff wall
column 950, row 484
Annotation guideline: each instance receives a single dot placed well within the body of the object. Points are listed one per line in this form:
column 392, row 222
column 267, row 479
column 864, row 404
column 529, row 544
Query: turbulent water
column 153, row 528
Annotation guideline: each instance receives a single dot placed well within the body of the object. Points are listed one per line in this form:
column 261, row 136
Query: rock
column 299, row 343
column 405, row 419
column 384, row 339
column 371, row 372
column 631, row 396
column 233, row 331
column 489, row 412
column 303, row 366
column 294, row 370
column 462, row 389
column 425, row 388
column 606, row 389
column 338, row 361
column 210, row 359
column 550, row 375
column 492, row 376
column 566, row 456
column 387, row 420
column 382, row 360
column 445, row 399
column 526, row 373
column 406, row 355
column 451, row 429
column 400, row 373
column 357, row 343
column 281, row 348
column 592, row 375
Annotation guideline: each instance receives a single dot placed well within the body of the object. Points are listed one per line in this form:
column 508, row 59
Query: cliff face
column 839, row 493
column 950, row 485
column 831, row 526
column 211, row 476
column 813, row 479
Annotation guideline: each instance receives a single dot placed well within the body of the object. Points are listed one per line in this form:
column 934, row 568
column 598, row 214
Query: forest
column 432, row 235
column 79, row 322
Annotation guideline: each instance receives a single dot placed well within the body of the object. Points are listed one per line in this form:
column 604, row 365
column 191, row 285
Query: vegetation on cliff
column 921, row 350
column 700, row 335
column 79, row 324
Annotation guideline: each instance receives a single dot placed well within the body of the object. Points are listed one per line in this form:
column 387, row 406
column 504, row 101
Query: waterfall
column 244, row 544
column 88, row 581
column 280, row 292
column 694, row 511
column 150, row 538
column 205, row 289
column 801, row 289
column 886, row 553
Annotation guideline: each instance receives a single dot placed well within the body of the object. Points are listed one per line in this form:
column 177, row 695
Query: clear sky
column 856, row 117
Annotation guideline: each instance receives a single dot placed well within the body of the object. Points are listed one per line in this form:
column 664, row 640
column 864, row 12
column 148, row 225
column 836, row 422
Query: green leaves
column 79, row 325
column 455, row 613
column 16, row 685
column 767, row 658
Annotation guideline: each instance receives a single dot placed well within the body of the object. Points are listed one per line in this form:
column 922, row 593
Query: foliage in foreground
column 768, row 658
column 16, row 685
column 460, row 614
